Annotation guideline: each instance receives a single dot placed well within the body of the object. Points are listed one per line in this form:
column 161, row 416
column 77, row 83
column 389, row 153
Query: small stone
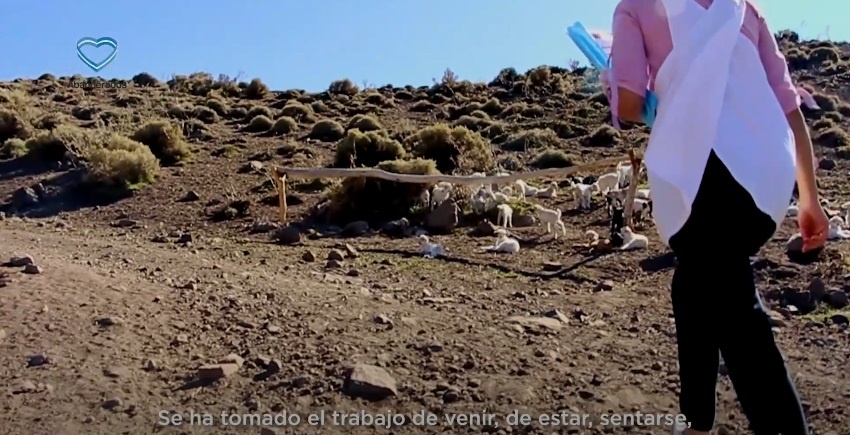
column 333, row 264
column 37, row 360
column 309, row 256
column 191, row 196
column 552, row 266
column 33, row 269
column 369, row 382
column 351, row 251
column 336, row 254
column 112, row 403
column 274, row 366
column 605, row 286
column 217, row 371
column 21, row 261
column 150, row 365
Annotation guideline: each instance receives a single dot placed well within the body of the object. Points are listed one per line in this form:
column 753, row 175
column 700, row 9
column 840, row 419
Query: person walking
column 726, row 147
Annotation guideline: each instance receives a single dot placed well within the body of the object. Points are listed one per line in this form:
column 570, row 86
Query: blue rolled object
column 599, row 59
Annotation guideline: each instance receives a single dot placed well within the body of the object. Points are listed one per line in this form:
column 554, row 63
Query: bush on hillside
column 327, row 130
column 121, row 164
column 359, row 149
column 377, row 200
column 165, row 141
column 453, row 148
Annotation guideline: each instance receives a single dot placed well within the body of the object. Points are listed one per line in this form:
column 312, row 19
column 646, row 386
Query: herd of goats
column 612, row 186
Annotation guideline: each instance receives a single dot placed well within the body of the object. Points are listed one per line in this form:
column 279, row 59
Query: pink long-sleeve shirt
column 642, row 42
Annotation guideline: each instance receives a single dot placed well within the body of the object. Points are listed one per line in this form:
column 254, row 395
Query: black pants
column 719, row 312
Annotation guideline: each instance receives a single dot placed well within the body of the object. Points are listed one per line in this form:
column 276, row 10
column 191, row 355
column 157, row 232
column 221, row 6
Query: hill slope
column 172, row 268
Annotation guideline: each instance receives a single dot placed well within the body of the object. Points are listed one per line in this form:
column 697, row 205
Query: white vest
column 714, row 95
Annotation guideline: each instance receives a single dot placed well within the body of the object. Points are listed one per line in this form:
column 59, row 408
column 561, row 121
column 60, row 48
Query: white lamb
column 642, row 194
column 505, row 217
column 550, row 192
column 425, row 198
column 507, row 190
column 552, row 219
column 527, row 190
column 593, row 237
column 608, row 182
column 624, row 173
column 583, row 195
column 642, row 209
column 504, row 243
column 440, row 193
column 428, row 249
column 632, row 240
column 836, row 229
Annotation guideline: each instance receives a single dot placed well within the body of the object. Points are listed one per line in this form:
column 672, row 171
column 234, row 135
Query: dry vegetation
column 183, row 208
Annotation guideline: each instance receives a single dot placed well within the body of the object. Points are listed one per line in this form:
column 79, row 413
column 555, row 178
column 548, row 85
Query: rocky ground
column 186, row 297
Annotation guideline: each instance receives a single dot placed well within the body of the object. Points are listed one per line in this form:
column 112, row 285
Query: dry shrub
column 177, row 111
column 553, row 159
column 833, row 138
column 827, row 103
column 284, row 125
column 57, row 144
column 165, row 141
column 205, row 115
column 540, row 76
column 217, row 105
column 319, row 107
column 13, row 125
column 369, row 148
column 372, row 199
column 604, row 136
column 13, row 148
column 343, row 87
column 84, row 113
column 121, row 163
column 256, row 90
column 492, row 107
column 327, row 130
column 145, row 80
column 422, row 106
column 298, row 111
column 531, row 139
column 259, row 124
column 825, row 54
column 453, row 148
column 472, row 122
column 237, row 113
column 364, row 123
column 256, row 111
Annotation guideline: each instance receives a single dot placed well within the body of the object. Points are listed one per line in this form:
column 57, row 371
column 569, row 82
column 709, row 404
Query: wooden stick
column 280, row 172
column 280, row 186
column 635, row 158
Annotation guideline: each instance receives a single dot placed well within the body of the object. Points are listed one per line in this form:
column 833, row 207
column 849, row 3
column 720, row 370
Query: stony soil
column 113, row 314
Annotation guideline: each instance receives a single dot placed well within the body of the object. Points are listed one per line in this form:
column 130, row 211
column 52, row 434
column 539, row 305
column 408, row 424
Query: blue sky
column 309, row 43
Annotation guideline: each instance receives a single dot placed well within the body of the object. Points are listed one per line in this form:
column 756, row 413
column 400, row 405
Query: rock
column 355, row 229
column 24, row 197
column 369, row 382
column 826, row 164
column 274, row 366
column 150, row 365
column 605, row 286
column 794, row 251
column 232, row 358
column 309, row 256
column 333, row 264
column 21, row 261
column 839, row 319
column 190, row 196
column 112, row 403
column 485, row 228
column 537, row 323
column 217, row 371
column 444, row 218
column 288, row 235
column 107, row 321
column 38, row 360
column 263, row 227
column 836, row 298
column 396, row 228
column 817, row 288
column 125, row 223
column 33, row 269
column 267, row 431
column 25, row 387
column 521, row 220
column 252, row 166
column 351, row 251
column 3, row 335
column 336, row 254
column 776, row 319
column 552, row 266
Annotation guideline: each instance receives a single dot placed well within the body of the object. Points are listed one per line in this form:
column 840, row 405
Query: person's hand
column 814, row 225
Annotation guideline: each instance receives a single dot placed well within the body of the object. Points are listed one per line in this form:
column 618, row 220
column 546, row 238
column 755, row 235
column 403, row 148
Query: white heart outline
column 97, row 43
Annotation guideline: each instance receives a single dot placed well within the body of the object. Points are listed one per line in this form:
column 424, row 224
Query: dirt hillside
column 148, row 276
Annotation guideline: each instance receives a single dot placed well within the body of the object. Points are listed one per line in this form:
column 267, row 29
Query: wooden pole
column 636, row 158
column 280, row 185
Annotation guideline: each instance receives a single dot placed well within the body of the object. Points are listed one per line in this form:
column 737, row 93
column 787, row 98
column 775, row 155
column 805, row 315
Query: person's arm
column 789, row 99
column 629, row 64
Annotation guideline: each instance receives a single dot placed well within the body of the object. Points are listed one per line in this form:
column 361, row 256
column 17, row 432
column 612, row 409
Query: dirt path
column 124, row 323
